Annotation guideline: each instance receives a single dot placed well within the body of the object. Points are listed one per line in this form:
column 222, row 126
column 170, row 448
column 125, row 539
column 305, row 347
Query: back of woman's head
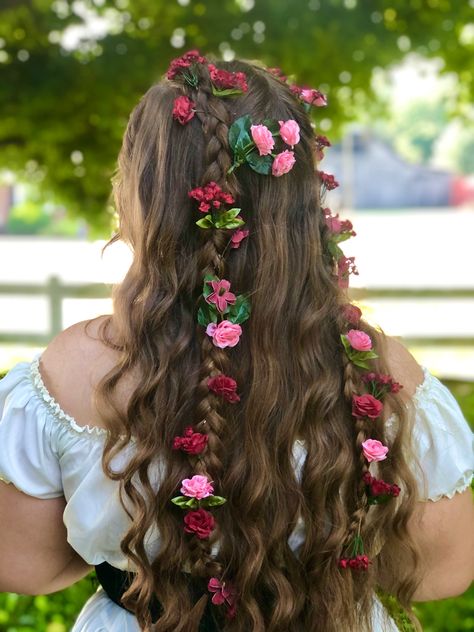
column 287, row 382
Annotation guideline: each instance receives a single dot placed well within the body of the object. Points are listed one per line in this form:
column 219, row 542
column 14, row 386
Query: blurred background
column 398, row 75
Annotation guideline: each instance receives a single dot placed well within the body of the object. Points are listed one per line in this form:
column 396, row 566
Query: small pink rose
column 313, row 97
column 290, row 132
column 263, row 138
column 224, row 334
column 374, row 450
column 283, row 163
column 197, row 487
column 359, row 340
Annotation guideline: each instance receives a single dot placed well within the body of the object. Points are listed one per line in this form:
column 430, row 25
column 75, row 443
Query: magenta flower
column 224, row 592
column 237, row 236
column 221, row 295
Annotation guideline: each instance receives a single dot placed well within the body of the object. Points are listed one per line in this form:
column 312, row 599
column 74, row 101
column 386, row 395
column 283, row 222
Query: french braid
column 209, row 408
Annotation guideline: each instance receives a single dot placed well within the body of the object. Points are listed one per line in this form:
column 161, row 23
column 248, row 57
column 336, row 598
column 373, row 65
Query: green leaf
column 240, row 310
column 206, row 288
column 180, row 500
column 206, row 314
column 341, row 237
column 239, row 131
column 213, row 501
column 227, row 219
column 227, row 92
column 272, row 125
column 260, row 164
column 192, row 503
column 334, row 249
column 347, row 344
column 205, row 222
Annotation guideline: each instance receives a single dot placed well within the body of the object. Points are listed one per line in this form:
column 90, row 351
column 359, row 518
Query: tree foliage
column 64, row 111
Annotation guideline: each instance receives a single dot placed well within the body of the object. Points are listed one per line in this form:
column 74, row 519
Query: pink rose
column 359, row 340
column 290, row 132
column 374, row 450
column 237, row 237
column 263, row 138
column 351, row 313
column 313, row 97
column 224, row 334
column 197, row 487
column 283, row 163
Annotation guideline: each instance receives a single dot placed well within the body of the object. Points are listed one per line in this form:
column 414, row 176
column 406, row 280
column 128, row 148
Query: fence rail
column 55, row 291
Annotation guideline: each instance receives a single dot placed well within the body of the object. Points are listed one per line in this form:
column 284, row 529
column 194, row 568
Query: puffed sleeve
column 443, row 441
column 27, row 456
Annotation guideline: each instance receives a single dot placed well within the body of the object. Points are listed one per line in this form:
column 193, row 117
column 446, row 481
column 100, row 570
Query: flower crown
column 221, row 312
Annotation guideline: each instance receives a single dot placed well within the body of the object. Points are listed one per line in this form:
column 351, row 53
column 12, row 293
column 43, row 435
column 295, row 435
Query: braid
column 209, row 418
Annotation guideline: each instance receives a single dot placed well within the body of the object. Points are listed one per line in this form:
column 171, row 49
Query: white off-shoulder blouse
column 45, row 453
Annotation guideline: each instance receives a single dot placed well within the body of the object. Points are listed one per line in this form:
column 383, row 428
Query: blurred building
column 373, row 176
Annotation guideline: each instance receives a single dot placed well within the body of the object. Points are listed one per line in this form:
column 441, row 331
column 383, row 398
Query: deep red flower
column 379, row 489
column 321, row 143
column 358, row 562
column 328, row 180
column 224, row 592
column 199, row 522
column 366, row 406
column 351, row 313
column 182, row 63
column 210, row 194
column 225, row 386
column 226, row 80
column 380, row 382
column 191, row 442
column 183, row 109
column 345, row 267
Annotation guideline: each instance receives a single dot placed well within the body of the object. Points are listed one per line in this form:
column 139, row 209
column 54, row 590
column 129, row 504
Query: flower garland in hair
column 254, row 144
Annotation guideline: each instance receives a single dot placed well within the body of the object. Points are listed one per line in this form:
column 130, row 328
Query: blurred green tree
column 64, row 109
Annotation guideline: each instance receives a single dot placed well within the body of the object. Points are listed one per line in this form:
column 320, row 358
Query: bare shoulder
column 403, row 366
column 73, row 363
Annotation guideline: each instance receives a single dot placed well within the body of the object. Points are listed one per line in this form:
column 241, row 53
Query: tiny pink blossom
column 197, row 487
column 221, row 295
column 283, row 163
column 374, row 450
column 237, row 236
column 359, row 340
column 263, row 138
column 290, row 132
column 224, row 334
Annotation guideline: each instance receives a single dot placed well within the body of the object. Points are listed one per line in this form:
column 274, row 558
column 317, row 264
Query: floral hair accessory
column 212, row 197
column 374, row 450
column 352, row 313
column 321, row 143
column 253, row 145
column 220, row 295
column 199, row 522
column 183, row 109
column 197, row 493
column 290, row 132
column 358, row 347
column 379, row 491
column 366, row 406
column 237, row 237
column 224, row 386
column 379, row 384
column 184, row 66
column 226, row 83
column 345, row 267
column 356, row 559
column 223, row 593
column 191, row 442
column 328, row 181
column 309, row 97
column 224, row 334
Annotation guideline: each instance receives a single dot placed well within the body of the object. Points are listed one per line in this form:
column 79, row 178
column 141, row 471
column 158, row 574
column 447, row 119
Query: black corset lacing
column 116, row 582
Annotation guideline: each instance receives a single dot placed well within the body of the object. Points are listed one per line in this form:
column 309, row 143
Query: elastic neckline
column 54, row 407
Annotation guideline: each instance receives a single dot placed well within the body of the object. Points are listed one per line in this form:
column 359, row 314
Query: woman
column 236, row 435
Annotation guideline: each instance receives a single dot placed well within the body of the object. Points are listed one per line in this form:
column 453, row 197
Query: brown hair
column 295, row 381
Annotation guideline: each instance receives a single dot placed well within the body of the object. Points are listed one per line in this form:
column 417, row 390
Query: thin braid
column 352, row 386
column 214, row 117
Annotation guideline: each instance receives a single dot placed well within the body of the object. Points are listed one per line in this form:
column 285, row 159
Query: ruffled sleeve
column 27, row 456
column 443, row 441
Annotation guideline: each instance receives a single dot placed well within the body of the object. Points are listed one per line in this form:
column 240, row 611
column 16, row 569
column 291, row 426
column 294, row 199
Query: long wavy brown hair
column 294, row 378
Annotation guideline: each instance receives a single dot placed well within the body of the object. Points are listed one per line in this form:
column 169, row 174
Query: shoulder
column 403, row 367
column 73, row 363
